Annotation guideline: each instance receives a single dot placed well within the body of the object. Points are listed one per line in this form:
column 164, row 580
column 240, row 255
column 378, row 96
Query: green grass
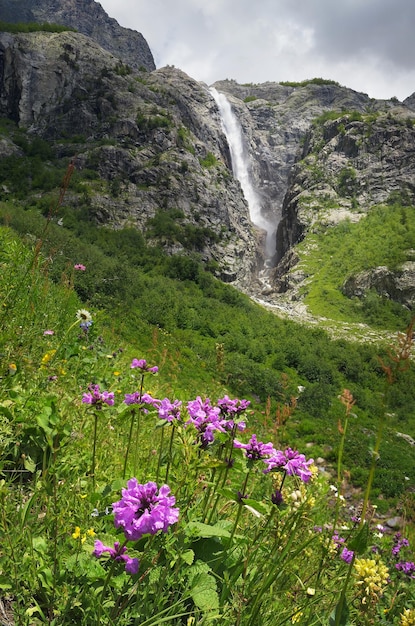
column 223, row 557
column 383, row 237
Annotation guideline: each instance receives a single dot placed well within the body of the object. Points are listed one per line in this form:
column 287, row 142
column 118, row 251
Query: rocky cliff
column 89, row 18
column 154, row 139
column 319, row 153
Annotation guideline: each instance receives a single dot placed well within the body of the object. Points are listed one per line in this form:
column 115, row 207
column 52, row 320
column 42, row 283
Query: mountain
column 87, row 17
column 318, row 154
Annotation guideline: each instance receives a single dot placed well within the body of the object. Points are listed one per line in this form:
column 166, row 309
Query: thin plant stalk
column 94, row 447
column 169, row 457
column 137, row 432
column 238, row 515
column 128, row 443
column 160, row 454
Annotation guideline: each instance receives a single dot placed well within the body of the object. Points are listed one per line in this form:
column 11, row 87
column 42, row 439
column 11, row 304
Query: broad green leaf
column 198, row 529
column 359, row 543
column 203, row 592
column 343, row 619
column 188, row 556
column 256, row 507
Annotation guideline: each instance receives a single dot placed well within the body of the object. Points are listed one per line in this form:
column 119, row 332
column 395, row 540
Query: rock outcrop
column 154, row 139
column 320, row 153
column 397, row 285
column 89, row 18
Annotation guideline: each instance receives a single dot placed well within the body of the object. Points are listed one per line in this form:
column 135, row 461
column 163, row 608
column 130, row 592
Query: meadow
column 159, row 443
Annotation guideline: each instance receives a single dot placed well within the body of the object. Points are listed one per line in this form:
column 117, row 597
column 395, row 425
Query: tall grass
column 120, row 505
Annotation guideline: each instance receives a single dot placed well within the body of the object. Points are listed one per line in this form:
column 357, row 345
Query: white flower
column 83, row 315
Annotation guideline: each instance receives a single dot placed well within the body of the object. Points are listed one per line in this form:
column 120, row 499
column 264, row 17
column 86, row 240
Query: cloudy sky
column 368, row 45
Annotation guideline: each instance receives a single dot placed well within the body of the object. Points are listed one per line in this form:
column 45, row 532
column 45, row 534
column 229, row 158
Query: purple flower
column 48, row 332
column 85, row 326
column 169, row 411
column 347, row 555
column 232, row 407
column 277, row 498
column 255, row 450
column 97, row 397
column 137, row 398
column 142, row 365
column 291, row 462
column 79, row 267
column 337, row 539
column 118, row 553
column 144, row 509
column 399, row 544
column 205, row 418
column 407, row 567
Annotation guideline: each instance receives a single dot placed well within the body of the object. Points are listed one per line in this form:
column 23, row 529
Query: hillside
column 147, row 331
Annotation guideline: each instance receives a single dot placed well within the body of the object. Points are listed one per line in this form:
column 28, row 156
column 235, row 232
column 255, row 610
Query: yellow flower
column 77, row 533
column 296, row 617
column 407, row 618
column 116, row 373
column 12, row 369
column 90, row 532
column 48, row 356
column 372, row 577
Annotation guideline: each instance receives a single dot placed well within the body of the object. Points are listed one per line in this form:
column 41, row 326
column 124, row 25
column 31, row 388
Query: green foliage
column 383, row 237
column 209, row 160
column 61, row 459
column 311, row 81
column 33, row 27
column 347, row 182
column 146, row 122
column 250, row 98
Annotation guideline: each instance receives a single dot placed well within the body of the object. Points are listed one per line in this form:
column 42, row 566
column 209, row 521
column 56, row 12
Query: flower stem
column 94, row 449
column 238, row 515
column 169, row 455
column 128, row 443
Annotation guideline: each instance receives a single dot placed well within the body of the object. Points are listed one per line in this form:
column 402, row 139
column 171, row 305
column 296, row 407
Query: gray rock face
column 397, row 285
column 89, row 18
column 154, row 139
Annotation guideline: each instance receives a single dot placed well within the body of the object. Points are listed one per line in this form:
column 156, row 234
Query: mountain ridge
column 156, row 142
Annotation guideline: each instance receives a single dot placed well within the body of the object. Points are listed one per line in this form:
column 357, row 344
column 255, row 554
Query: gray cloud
column 367, row 45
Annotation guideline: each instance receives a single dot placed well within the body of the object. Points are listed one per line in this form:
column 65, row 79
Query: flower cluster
column 407, row 618
column 256, row 450
column 169, row 411
column 98, row 398
column 371, row 577
column 292, row 462
column 205, row 418
column 407, row 567
column 138, row 398
column 400, row 543
column 141, row 364
column 118, row 553
column 144, row 509
column 82, row 537
column 230, row 411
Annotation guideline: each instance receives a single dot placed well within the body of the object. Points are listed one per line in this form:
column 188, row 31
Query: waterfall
column 241, row 170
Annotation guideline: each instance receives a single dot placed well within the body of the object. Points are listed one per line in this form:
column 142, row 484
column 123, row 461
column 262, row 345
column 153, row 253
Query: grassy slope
column 211, row 338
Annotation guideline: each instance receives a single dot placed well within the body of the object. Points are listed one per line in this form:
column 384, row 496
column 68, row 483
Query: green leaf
column 197, row 529
column 5, row 411
column 5, row 583
column 359, row 543
column 29, row 464
column 343, row 620
column 188, row 556
column 203, row 592
column 257, row 508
